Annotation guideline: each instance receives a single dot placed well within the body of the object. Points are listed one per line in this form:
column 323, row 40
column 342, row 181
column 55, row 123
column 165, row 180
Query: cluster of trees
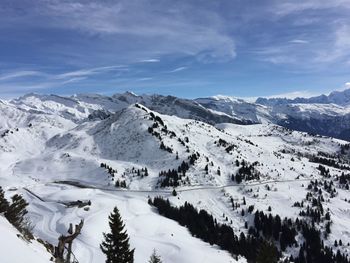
column 260, row 243
column 245, row 172
column 140, row 107
column 120, row 183
column 138, row 172
column 157, row 119
column 143, row 172
column 313, row 248
column 328, row 162
column 15, row 212
column 158, row 123
column 169, row 178
column 115, row 244
column 109, row 169
column 154, row 133
column 228, row 147
column 344, row 180
column 328, row 186
column 315, row 198
column 165, row 148
column 204, row 226
column 194, row 157
column 173, row 177
column 272, row 227
column 324, row 171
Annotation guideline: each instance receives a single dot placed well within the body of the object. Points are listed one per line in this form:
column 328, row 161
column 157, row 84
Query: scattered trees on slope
column 260, row 243
column 15, row 212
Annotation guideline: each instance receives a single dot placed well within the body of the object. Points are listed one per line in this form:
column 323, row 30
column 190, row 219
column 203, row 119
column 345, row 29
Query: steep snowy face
column 238, row 108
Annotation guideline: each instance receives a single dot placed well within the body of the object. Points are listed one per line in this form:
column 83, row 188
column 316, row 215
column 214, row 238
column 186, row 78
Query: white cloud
column 88, row 72
column 288, row 7
column 299, row 41
column 151, row 60
column 177, row 69
column 19, row 74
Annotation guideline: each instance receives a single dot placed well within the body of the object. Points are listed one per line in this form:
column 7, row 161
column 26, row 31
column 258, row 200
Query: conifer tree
column 4, row 204
column 267, row 253
column 116, row 243
column 16, row 211
column 155, row 258
column 174, row 193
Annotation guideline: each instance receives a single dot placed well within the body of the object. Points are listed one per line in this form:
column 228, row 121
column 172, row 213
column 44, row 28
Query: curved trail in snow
column 80, row 185
column 86, row 186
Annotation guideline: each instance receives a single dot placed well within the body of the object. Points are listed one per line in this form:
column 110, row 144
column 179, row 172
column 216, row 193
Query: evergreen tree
column 267, row 253
column 116, row 243
column 238, row 178
column 4, row 204
column 16, row 211
column 155, row 258
column 174, row 192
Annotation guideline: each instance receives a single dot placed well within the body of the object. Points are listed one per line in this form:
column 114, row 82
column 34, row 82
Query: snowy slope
column 15, row 249
column 52, row 147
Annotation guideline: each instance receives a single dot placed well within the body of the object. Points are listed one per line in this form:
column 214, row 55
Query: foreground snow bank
column 18, row 250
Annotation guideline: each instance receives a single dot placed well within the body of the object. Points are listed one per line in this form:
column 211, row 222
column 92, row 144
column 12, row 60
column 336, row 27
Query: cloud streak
column 19, row 74
column 178, row 69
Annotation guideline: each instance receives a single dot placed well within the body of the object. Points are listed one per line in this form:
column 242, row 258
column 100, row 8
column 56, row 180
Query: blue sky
column 189, row 48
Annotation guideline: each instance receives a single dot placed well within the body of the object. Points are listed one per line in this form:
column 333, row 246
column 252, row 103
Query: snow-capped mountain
column 341, row 98
column 122, row 150
column 325, row 115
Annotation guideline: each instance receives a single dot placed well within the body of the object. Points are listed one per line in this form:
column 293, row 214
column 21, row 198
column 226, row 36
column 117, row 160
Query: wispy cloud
column 151, row 60
column 288, row 7
column 20, row 74
column 299, row 41
column 21, row 81
column 177, row 69
column 89, row 72
column 144, row 79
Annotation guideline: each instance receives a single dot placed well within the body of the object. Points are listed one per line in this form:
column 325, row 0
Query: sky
column 188, row 48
